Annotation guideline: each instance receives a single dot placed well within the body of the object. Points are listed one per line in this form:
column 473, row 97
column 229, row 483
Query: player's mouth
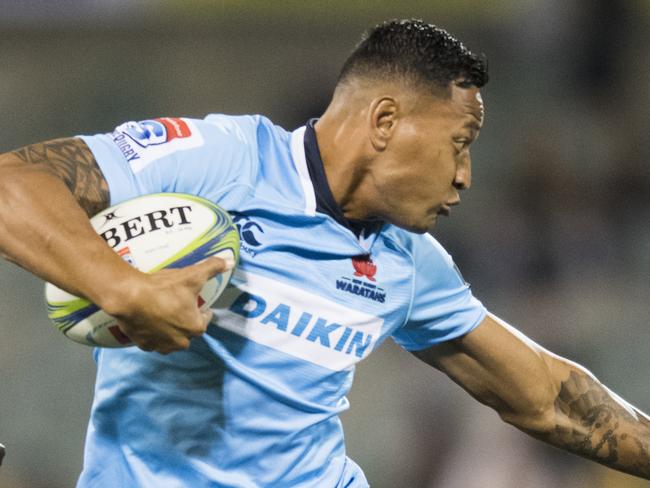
column 444, row 210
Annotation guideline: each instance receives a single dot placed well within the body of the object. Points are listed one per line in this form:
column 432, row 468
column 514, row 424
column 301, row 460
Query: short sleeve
column 211, row 157
column 443, row 306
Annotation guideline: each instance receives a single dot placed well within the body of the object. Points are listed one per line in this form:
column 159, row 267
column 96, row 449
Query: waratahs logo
column 363, row 267
column 250, row 234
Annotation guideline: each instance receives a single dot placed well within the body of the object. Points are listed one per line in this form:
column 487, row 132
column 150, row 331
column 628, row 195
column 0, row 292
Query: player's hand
column 160, row 312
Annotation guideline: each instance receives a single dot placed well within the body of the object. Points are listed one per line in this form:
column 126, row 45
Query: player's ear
column 383, row 116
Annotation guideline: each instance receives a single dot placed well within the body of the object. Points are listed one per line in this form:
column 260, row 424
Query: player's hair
column 416, row 52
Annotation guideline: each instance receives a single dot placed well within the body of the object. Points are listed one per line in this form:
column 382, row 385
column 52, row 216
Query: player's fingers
column 167, row 345
column 211, row 267
column 145, row 345
column 199, row 323
column 206, row 315
column 143, row 338
column 179, row 344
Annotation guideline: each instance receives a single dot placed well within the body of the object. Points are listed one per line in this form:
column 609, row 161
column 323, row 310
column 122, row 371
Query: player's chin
column 420, row 225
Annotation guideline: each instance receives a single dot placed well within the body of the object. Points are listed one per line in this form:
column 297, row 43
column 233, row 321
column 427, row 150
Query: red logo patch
column 176, row 128
column 364, row 266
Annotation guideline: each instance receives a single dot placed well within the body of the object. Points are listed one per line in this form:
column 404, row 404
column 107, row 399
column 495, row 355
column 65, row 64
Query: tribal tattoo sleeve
column 71, row 160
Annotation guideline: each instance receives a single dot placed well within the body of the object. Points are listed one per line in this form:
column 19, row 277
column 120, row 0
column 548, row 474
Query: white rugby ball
column 151, row 232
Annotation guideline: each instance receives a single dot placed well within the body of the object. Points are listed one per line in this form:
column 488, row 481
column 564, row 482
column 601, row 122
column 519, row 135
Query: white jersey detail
column 299, row 159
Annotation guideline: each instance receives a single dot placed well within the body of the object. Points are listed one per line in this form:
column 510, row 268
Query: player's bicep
column 500, row 367
column 71, row 160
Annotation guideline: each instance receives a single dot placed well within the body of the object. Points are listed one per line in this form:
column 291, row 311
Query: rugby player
column 335, row 259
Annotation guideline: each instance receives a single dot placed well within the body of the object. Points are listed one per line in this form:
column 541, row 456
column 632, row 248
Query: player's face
column 427, row 161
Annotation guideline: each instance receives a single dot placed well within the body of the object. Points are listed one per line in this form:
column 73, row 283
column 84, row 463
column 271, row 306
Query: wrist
column 117, row 292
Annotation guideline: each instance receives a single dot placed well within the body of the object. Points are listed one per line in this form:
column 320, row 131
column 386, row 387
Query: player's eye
column 460, row 144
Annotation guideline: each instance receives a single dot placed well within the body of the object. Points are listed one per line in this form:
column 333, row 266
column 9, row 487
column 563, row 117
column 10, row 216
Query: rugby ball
column 151, row 232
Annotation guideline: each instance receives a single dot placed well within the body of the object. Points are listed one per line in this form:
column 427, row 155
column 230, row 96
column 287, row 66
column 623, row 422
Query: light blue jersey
column 255, row 402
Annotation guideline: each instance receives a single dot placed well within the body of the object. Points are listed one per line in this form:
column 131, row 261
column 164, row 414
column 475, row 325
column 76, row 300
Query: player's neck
column 340, row 147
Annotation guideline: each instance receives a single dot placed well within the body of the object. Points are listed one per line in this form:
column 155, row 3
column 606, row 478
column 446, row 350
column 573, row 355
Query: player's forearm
column 44, row 229
column 593, row 422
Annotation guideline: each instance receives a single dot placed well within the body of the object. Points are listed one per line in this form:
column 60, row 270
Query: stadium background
column 554, row 235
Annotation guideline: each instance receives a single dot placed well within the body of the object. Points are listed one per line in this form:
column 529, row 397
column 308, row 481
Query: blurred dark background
column 554, row 235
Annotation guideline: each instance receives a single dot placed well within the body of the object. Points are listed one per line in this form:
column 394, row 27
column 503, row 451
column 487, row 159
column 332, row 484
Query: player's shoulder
column 244, row 128
column 417, row 245
column 239, row 126
column 252, row 134
column 431, row 261
column 275, row 156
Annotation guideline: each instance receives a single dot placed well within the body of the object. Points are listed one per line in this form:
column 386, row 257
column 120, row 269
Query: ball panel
column 98, row 329
column 66, row 314
column 214, row 287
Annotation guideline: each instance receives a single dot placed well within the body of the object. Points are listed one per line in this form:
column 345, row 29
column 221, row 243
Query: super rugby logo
column 366, row 268
column 145, row 141
column 156, row 131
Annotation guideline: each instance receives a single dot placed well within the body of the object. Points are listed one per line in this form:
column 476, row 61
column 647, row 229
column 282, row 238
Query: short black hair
column 415, row 51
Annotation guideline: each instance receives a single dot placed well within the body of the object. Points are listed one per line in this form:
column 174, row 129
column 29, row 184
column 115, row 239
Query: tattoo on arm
column 601, row 426
column 71, row 160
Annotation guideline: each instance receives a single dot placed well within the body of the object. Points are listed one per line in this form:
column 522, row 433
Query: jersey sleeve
column 443, row 306
column 214, row 158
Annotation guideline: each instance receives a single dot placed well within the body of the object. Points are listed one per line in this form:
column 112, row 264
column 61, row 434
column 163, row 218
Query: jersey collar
column 318, row 195
column 299, row 159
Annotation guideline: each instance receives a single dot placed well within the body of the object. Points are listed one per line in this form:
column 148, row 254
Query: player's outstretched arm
column 47, row 192
column 546, row 396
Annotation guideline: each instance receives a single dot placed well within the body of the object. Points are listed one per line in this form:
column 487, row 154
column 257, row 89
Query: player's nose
column 463, row 177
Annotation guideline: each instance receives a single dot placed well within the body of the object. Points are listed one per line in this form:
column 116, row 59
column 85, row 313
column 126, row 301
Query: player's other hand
column 160, row 311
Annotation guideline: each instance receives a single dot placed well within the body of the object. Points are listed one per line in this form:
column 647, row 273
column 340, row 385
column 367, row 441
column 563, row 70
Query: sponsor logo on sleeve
column 158, row 131
column 143, row 142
